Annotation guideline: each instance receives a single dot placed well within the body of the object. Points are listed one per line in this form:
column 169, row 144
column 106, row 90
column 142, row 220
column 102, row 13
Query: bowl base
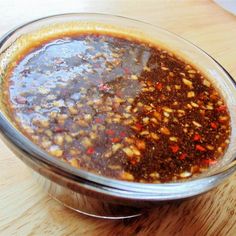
column 86, row 205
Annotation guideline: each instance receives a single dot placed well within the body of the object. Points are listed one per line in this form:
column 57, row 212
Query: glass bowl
column 97, row 195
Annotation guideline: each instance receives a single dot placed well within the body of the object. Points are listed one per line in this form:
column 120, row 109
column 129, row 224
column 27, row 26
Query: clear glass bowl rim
column 107, row 185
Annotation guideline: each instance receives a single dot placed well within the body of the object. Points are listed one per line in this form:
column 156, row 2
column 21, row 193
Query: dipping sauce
column 117, row 107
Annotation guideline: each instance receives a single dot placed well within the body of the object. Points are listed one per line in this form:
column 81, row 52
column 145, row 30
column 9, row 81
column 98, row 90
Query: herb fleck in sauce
column 118, row 108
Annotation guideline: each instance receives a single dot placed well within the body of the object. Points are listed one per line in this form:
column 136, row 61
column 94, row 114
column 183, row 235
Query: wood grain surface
column 26, row 210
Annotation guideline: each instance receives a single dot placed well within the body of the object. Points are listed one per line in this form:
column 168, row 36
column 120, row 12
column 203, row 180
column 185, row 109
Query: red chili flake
column 110, row 132
column 90, row 151
column 209, row 162
column 200, row 148
column 133, row 162
column 115, row 140
column 214, row 125
column 126, row 70
column 20, row 100
column 221, row 108
column 158, row 108
column 197, row 137
column 139, row 126
column 58, row 129
column 159, row 85
column 103, row 87
column 98, row 120
column 122, row 134
column 174, row 148
column 203, row 96
column 183, row 156
column 30, row 110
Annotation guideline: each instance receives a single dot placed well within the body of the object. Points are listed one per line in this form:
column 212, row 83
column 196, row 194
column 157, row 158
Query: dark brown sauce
column 118, row 108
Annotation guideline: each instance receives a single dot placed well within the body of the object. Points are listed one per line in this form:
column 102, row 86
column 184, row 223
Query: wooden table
column 26, row 210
